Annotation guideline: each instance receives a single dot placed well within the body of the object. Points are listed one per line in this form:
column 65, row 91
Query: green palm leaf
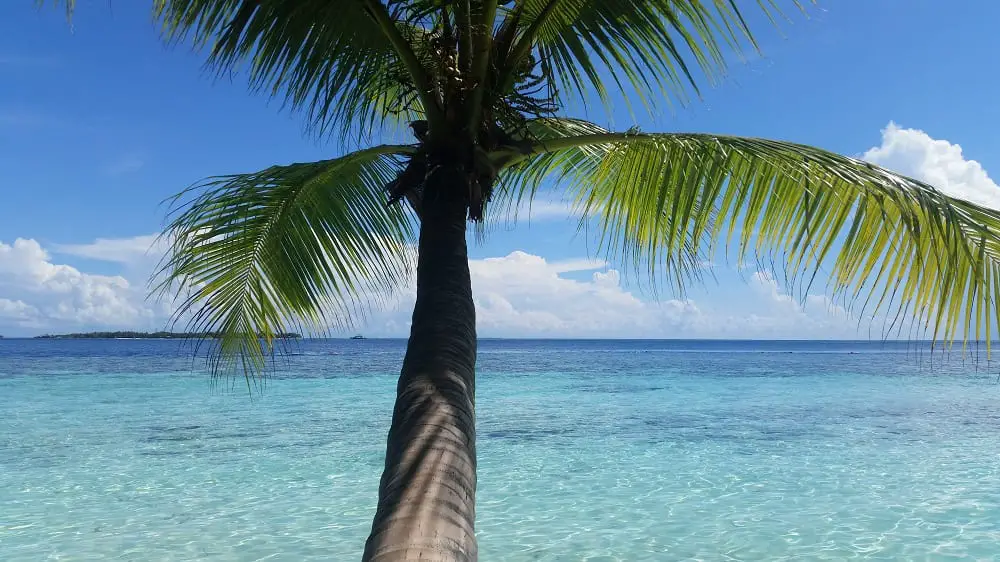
column 643, row 46
column 889, row 243
column 521, row 184
column 528, row 176
column 331, row 58
column 312, row 243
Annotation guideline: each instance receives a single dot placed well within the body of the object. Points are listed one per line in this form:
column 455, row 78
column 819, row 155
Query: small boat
column 357, row 337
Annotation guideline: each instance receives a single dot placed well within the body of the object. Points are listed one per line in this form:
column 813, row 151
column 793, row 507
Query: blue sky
column 100, row 122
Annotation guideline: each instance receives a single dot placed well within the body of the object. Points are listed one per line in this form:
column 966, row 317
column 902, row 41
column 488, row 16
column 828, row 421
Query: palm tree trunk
column 426, row 508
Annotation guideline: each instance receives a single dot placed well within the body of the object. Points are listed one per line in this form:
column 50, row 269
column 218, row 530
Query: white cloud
column 914, row 153
column 517, row 295
column 524, row 295
column 784, row 316
column 39, row 294
column 147, row 247
column 17, row 311
column 582, row 264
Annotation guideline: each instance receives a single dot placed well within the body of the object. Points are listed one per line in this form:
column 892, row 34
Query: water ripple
column 598, row 451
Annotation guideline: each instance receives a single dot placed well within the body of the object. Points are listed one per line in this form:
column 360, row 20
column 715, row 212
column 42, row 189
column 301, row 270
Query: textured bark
column 426, row 508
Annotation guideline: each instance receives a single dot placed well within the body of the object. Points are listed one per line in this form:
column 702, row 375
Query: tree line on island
column 153, row 335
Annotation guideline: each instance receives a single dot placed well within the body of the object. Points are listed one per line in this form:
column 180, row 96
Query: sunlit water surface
column 588, row 451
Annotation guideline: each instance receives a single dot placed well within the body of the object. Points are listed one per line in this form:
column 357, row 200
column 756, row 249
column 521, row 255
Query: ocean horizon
column 588, row 450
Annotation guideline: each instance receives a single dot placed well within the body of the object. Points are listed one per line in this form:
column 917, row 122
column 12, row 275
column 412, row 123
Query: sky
column 100, row 122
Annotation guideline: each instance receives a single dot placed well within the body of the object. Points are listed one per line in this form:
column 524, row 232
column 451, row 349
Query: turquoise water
column 588, row 451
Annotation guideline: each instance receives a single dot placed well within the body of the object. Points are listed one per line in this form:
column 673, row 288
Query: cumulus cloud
column 17, row 311
column 940, row 163
column 39, row 294
column 785, row 316
column 583, row 264
column 524, row 295
column 517, row 295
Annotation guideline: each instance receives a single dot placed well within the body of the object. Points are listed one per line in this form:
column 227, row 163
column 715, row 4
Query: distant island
column 149, row 336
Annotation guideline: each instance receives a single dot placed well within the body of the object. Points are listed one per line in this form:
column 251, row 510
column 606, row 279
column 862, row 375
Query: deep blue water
column 589, row 450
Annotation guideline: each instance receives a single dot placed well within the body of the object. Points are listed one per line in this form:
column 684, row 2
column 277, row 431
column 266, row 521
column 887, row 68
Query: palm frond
column 890, row 243
column 325, row 57
column 522, row 182
column 254, row 255
column 643, row 47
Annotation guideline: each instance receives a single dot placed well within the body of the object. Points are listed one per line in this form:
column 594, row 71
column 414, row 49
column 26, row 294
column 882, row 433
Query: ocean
column 588, row 450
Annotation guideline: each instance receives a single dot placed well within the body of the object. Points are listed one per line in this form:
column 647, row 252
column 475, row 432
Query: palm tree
column 481, row 83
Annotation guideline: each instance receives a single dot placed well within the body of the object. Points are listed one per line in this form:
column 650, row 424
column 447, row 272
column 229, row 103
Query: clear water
column 588, row 450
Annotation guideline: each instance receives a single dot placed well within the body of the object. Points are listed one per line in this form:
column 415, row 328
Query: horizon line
column 955, row 342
